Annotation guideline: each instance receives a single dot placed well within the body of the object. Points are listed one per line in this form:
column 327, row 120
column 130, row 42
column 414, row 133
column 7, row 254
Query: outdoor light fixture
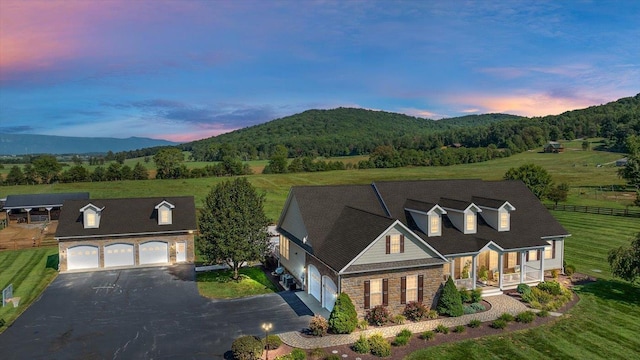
column 266, row 327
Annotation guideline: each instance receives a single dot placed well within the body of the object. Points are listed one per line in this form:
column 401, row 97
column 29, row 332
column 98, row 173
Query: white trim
column 128, row 234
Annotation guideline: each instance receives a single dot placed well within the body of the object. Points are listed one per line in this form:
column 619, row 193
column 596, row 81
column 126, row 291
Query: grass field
column 30, row 271
column 219, row 285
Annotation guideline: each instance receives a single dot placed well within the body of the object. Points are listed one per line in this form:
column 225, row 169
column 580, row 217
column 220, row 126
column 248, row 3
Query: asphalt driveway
column 150, row 313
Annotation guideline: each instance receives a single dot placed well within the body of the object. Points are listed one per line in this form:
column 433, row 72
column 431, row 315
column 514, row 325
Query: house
column 391, row 243
column 38, row 207
column 553, row 147
column 108, row 233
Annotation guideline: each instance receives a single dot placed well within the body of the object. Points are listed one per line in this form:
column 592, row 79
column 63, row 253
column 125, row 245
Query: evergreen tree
column 343, row 318
column 450, row 302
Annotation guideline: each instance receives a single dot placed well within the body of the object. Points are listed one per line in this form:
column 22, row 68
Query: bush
column 468, row 309
column 475, row 323
column 333, row 357
column 318, row 325
column 450, row 302
column 298, row 354
column 363, row 324
column 478, row 307
column 405, row 332
column 551, row 287
column 415, row 311
column 523, row 289
column 442, row 329
column 272, row 342
column 499, row 324
column 476, row 296
column 428, row 335
column 459, row 329
column 401, row 340
column 507, row 317
column 318, row 354
column 379, row 315
column 247, row 348
column 379, row 346
column 432, row 314
column 569, row 270
column 399, row 319
column 543, row 313
column 525, row 317
column 343, row 318
column 361, row 346
column 465, row 295
column 555, row 273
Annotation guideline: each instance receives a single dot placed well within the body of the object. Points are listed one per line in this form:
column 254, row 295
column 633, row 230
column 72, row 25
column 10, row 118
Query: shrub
column 247, row 348
column 333, row 357
column 379, row 346
column 415, row 311
column 459, row 329
column 442, row 329
column 298, row 354
column 476, row 295
column 428, row 335
column 523, row 289
column 555, row 273
column 543, row 313
column 468, row 309
column 432, row 314
column 399, row 319
column 507, row 317
column 499, row 324
column 551, row 287
column 363, row 324
column 379, row 315
column 361, row 346
column 569, row 270
column 465, row 295
column 343, row 318
column 450, row 302
column 474, row 323
column 478, row 307
column 272, row 342
column 525, row 317
column 401, row 340
column 318, row 325
column 318, row 354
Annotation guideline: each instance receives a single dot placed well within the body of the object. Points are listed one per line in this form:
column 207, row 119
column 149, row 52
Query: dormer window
column 504, row 220
column 165, row 215
column 427, row 216
column 496, row 213
column 91, row 216
column 470, row 222
column 463, row 214
column 91, row 220
column 434, row 224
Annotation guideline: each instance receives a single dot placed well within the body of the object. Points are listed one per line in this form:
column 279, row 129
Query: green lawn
column 30, row 271
column 219, row 285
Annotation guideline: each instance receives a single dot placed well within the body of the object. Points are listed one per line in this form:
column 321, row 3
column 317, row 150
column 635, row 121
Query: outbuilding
column 38, row 207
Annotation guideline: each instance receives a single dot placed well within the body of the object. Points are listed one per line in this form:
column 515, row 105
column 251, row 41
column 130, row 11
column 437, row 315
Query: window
column 550, row 251
column 532, row 255
column 164, row 216
column 504, row 220
column 91, row 219
column 394, row 244
column 471, row 222
column 375, row 292
column 434, row 224
column 412, row 288
column 284, row 247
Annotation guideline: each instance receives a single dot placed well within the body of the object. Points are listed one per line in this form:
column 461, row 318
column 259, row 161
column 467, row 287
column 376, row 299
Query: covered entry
column 154, row 252
column 314, row 282
column 118, row 255
column 82, row 257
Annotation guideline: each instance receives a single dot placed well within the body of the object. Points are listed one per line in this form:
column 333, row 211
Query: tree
column 47, row 168
column 625, row 261
column 30, row 174
column 535, row 177
column 168, row 161
column 631, row 171
column 76, row 160
column 77, row 173
column 343, row 318
column 140, row 172
column 15, row 176
column 277, row 161
column 450, row 302
column 559, row 193
column 586, row 145
column 113, row 172
column 232, row 224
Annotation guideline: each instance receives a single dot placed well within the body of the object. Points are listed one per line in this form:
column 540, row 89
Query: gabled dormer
column 165, row 213
column 462, row 214
column 496, row 213
column 427, row 216
column 91, row 215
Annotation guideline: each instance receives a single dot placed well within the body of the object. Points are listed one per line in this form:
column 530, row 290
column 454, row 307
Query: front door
column 181, row 252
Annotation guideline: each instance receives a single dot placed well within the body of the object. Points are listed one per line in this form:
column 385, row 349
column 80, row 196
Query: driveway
column 150, row 313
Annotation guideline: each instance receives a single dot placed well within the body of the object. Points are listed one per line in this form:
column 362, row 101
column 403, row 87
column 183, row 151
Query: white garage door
column 82, row 257
column 314, row 282
column 118, row 255
column 154, row 252
column 329, row 293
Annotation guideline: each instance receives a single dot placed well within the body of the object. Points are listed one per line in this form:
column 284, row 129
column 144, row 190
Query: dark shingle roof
column 127, row 216
column 487, row 202
column 411, row 204
column 453, row 203
column 41, row 200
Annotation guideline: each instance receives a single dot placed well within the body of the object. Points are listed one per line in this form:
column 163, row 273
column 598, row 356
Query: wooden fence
column 595, row 210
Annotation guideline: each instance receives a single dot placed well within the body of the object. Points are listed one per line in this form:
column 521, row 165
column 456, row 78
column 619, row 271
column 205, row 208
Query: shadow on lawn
column 611, row 290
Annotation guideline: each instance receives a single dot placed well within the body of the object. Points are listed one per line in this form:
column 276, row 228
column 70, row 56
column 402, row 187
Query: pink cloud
column 421, row 113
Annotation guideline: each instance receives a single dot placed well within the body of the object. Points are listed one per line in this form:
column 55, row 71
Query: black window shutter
column 367, row 293
column 388, row 244
column 402, row 243
column 420, row 288
column 385, row 292
column 403, row 290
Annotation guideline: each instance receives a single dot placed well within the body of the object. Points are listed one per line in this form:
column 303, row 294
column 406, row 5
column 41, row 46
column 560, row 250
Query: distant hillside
column 336, row 132
column 20, row 144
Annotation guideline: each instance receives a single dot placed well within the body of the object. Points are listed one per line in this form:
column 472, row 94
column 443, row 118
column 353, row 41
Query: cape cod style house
column 391, row 243
column 110, row 233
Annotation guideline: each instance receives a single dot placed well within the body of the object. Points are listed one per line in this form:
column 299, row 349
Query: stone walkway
column 499, row 304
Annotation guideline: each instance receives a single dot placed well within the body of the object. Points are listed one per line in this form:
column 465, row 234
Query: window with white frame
column 91, row 219
column 394, row 244
column 284, row 247
column 434, row 224
column 164, row 216
column 504, row 220
column 412, row 288
column 532, row 255
column 550, row 251
column 471, row 222
column 375, row 292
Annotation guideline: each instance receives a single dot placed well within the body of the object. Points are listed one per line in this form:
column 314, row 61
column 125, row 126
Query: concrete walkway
column 499, row 304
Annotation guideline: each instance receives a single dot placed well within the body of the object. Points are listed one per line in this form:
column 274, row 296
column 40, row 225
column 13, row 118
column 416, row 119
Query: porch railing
column 464, row 283
column 530, row 275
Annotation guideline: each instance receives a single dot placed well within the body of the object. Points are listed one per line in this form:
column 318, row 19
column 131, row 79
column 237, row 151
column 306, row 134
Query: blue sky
column 185, row 70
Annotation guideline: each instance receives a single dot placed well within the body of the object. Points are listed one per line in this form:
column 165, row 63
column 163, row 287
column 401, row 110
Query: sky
column 183, row 70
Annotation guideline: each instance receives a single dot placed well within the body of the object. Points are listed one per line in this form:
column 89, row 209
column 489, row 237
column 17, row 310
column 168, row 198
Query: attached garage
column 82, row 257
column 329, row 293
column 154, row 252
column 118, row 255
column 314, row 282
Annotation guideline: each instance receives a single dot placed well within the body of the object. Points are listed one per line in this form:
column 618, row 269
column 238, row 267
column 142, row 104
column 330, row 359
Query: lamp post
column 266, row 327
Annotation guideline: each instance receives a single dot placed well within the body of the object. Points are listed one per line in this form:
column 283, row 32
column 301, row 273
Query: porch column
column 474, row 271
column 500, row 269
column 541, row 264
column 451, row 269
column 523, row 258
column 49, row 213
column 28, row 210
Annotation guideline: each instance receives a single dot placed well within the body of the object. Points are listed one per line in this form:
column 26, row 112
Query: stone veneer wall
column 353, row 285
column 64, row 245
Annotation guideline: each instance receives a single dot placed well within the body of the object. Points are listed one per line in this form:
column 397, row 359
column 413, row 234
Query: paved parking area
column 150, row 313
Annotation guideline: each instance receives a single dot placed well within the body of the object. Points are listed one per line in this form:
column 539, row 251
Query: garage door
column 314, row 282
column 82, row 257
column 329, row 293
column 118, row 255
column 154, row 252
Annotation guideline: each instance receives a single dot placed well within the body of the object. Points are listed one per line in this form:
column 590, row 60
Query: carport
column 38, row 207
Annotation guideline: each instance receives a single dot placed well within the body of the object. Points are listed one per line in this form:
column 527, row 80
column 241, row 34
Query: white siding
column 414, row 249
column 292, row 221
column 296, row 262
